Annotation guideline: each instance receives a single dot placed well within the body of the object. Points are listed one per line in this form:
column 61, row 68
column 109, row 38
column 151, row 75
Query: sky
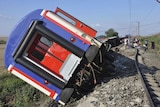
column 124, row 16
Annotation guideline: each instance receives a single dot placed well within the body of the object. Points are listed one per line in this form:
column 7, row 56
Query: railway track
column 149, row 82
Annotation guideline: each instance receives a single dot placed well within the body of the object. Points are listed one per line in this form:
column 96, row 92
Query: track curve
column 150, row 84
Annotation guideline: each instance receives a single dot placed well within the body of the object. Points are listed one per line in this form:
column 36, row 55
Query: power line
column 149, row 12
column 138, row 32
column 150, row 24
column 142, row 25
column 129, row 16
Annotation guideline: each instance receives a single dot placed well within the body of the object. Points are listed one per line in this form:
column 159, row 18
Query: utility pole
column 138, row 30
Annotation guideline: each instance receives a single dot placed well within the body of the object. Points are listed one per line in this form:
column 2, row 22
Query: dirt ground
column 2, row 46
column 2, row 66
column 124, row 89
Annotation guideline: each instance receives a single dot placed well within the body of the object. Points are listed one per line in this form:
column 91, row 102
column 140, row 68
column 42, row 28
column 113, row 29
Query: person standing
column 146, row 42
column 126, row 43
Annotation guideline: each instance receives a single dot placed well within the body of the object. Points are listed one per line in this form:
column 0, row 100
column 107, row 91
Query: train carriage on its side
column 50, row 52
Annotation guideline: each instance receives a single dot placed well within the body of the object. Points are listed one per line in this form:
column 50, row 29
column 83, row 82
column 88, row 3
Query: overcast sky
column 121, row 15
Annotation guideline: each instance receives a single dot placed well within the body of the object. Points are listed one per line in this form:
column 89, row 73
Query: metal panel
column 69, row 66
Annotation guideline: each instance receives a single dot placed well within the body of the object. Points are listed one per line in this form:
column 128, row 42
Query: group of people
column 135, row 42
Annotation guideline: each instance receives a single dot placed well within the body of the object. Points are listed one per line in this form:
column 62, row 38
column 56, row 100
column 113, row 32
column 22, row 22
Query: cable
column 150, row 24
column 149, row 13
column 129, row 16
column 128, row 28
column 93, row 73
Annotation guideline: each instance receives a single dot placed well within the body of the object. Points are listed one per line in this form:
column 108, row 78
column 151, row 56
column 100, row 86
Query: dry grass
column 3, row 38
column 2, row 48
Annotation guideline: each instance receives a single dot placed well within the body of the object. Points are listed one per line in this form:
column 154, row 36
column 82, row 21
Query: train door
column 46, row 53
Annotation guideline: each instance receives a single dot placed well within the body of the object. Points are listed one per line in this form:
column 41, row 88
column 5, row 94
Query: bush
column 154, row 38
column 2, row 42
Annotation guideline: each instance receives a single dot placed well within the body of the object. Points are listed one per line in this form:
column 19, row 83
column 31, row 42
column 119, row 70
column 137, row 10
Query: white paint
column 44, row 69
column 69, row 66
column 61, row 102
column 72, row 28
column 16, row 73
column 10, row 67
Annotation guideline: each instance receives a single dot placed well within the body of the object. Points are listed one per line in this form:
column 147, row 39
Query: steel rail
column 143, row 81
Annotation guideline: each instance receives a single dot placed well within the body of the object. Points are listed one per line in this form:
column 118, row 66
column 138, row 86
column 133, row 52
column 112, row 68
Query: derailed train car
column 55, row 53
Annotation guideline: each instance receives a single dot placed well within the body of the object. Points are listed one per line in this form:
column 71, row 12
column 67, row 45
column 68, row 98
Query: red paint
column 36, row 82
column 50, row 57
column 80, row 25
column 52, row 94
column 72, row 39
column 46, row 82
column 65, row 28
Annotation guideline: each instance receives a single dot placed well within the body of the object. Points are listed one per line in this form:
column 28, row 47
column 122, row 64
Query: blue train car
column 54, row 52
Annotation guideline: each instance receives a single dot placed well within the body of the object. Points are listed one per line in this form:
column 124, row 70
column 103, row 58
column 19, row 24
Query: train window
column 46, row 41
column 37, row 55
column 66, row 18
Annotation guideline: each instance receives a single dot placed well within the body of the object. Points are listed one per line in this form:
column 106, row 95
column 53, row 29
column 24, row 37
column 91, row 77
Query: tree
column 111, row 32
